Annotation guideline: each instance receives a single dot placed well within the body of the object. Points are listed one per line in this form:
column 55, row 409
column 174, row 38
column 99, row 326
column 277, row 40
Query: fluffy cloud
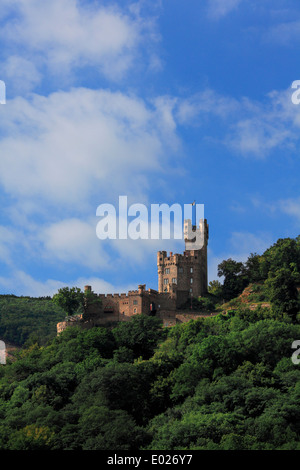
column 73, row 241
column 21, row 283
column 64, row 34
column 71, row 145
column 247, row 127
column 21, row 74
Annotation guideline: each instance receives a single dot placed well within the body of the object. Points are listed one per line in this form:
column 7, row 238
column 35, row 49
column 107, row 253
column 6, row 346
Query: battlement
column 109, row 296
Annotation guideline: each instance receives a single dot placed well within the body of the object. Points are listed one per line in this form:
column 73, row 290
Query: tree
column 141, row 335
column 283, row 293
column 253, row 267
column 69, row 299
column 215, row 288
column 235, row 279
column 281, row 255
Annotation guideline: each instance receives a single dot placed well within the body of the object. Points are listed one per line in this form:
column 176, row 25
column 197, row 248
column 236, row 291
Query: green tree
column 215, row 288
column 283, row 293
column 253, row 268
column 69, row 299
column 281, row 255
column 235, row 279
column 141, row 335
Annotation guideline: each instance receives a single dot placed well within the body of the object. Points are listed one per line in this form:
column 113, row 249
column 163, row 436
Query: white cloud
column 68, row 33
column 245, row 243
column 70, row 145
column 249, row 127
column 8, row 239
column 140, row 252
column 256, row 136
column 73, row 241
column 291, row 207
column 21, row 283
column 205, row 103
column 20, row 75
column 241, row 245
column 220, row 8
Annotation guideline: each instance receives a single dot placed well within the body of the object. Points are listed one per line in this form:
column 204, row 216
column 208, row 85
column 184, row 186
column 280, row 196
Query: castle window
column 167, row 271
column 191, row 290
column 191, row 280
column 166, row 281
column 191, row 270
column 180, row 270
column 134, row 310
column 135, row 302
column 174, row 280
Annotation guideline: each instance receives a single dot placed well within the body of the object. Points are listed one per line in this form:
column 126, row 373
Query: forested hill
column 229, row 381
column 28, row 320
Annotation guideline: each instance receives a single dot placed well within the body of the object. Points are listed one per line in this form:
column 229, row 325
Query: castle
column 181, row 277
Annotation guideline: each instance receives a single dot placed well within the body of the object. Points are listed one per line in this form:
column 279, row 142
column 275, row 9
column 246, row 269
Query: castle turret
column 187, row 272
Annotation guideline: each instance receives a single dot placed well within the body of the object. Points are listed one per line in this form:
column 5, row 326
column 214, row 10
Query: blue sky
column 163, row 101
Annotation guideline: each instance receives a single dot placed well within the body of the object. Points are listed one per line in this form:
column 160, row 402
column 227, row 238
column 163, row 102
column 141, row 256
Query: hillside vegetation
column 221, row 382
column 28, row 320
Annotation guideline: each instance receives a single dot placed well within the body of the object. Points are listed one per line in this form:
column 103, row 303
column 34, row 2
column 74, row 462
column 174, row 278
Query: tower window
column 167, row 271
column 191, row 280
column 174, row 280
column 191, row 270
column 166, row 281
column 134, row 310
column 180, row 270
column 135, row 302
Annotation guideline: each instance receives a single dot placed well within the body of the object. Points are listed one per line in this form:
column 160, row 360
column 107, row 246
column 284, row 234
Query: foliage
column 277, row 269
column 28, row 320
column 215, row 288
column 224, row 382
column 140, row 335
column 283, row 292
column 235, row 279
column 70, row 299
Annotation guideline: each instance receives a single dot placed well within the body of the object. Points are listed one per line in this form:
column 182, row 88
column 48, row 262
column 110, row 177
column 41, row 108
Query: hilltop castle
column 180, row 278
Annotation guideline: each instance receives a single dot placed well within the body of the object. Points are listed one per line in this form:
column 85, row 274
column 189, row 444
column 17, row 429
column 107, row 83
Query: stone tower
column 185, row 275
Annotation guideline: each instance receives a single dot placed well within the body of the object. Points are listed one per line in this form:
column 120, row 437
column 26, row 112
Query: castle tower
column 186, row 272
